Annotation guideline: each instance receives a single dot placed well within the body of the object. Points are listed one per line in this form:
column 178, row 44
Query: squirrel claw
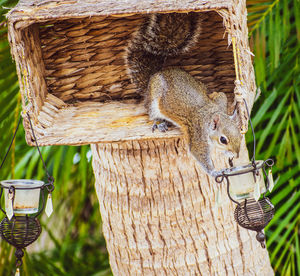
column 154, row 127
column 162, row 126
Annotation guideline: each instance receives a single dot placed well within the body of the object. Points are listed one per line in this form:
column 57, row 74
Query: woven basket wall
column 70, row 63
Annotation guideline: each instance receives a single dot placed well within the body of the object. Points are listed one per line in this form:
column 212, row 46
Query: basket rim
column 29, row 11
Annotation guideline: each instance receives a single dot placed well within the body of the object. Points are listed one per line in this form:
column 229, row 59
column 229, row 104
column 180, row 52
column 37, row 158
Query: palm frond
column 277, row 121
column 81, row 249
column 257, row 12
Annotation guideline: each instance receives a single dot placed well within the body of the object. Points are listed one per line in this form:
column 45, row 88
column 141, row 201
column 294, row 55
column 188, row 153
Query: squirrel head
column 225, row 134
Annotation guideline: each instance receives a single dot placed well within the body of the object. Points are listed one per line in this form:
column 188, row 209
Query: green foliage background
column 73, row 244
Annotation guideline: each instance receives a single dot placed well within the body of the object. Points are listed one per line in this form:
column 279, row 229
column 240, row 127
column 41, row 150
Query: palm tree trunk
column 160, row 217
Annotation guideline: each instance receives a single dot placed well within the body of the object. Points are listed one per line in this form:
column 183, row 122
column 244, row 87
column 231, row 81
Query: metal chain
column 11, row 143
column 49, row 186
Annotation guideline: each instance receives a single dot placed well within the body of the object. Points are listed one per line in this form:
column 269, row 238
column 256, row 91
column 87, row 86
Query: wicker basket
column 72, row 74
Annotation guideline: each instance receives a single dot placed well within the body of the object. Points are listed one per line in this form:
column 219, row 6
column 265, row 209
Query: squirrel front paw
column 214, row 173
column 162, row 126
column 221, row 172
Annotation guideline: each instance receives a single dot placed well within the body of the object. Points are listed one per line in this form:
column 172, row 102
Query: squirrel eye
column 223, row 140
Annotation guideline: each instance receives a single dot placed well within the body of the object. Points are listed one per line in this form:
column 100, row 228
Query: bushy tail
column 159, row 37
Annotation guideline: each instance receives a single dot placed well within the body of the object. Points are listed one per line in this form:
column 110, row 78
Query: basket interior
column 86, row 77
column 84, row 58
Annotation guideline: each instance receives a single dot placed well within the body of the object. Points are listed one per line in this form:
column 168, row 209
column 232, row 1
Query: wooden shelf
column 91, row 122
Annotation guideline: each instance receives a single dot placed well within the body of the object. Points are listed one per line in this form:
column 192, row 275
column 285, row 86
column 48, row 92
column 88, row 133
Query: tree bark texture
column 160, row 217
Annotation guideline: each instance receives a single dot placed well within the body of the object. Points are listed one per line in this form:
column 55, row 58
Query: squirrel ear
column 234, row 115
column 215, row 121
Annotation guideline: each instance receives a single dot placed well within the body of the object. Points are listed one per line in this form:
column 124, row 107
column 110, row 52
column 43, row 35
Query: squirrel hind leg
column 152, row 104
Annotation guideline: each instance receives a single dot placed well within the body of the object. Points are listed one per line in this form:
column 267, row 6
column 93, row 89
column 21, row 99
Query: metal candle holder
column 20, row 227
column 251, row 212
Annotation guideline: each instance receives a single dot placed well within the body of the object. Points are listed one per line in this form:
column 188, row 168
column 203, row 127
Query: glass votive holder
column 243, row 181
column 27, row 195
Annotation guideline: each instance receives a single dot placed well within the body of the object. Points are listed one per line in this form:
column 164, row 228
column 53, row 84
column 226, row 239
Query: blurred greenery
column 274, row 27
column 71, row 241
column 72, row 244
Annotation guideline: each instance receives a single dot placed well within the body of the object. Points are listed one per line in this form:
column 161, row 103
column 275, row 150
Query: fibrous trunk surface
column 160, row 217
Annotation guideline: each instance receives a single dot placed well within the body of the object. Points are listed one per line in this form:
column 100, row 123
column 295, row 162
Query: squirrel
column 173, row 96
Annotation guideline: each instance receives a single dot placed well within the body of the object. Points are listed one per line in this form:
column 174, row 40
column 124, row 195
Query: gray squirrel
column 173, row 95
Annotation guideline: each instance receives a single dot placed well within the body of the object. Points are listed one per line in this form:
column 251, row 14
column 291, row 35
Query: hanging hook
column 19, row 254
